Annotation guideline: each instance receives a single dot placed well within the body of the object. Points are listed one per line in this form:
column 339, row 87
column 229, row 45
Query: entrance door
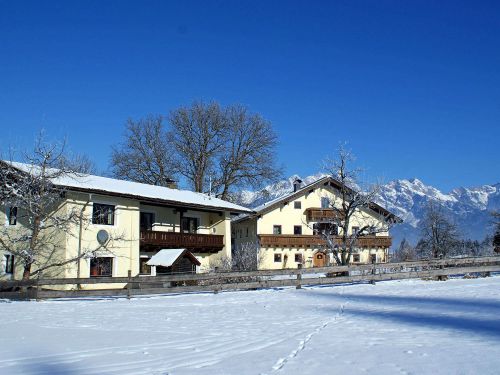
column 319, row 260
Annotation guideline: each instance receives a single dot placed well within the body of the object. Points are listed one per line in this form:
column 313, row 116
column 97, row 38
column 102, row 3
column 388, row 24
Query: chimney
column 297, row 183
column 172, row 184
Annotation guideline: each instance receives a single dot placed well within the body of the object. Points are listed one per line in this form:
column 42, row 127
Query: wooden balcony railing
column 319, row 214
column 310, row 241
column 191, row 241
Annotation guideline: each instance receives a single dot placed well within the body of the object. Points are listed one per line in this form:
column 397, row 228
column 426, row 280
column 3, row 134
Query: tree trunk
column 27, row 272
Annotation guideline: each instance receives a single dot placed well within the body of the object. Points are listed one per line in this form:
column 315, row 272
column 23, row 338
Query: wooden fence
column 243, row 280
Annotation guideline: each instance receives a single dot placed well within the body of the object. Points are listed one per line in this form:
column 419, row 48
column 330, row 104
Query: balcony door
column 147, row 219
column 189, row 224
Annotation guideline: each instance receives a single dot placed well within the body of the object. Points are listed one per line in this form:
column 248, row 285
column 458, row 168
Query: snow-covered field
column 417, row 327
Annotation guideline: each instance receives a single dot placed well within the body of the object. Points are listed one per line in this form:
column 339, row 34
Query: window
column 147, row 220
column 298, row 258
column 12, row 215
column 103, row 214
column 276, row 229
column 325, row 228
column 297, row 205
column 355, row 230
column 9, row 264
column 101, row 266
column 144, row 269
column 373, row 258
column 297, row 229
column 277, row 258
column 190, row 225
column 325, row 202
column 355, row 258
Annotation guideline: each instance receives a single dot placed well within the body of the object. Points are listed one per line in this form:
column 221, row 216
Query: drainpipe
column 78, row 268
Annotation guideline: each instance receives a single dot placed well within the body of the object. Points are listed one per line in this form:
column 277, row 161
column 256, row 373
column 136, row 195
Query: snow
column 165, row 257
column 396, row 327
column 111, row 185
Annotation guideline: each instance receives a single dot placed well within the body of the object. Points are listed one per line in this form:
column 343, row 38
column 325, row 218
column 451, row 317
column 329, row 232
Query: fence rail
column 243, row 280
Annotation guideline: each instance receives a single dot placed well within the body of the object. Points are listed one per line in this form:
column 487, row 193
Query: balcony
column 319, row 214
column 198, row 243
column 305, row 241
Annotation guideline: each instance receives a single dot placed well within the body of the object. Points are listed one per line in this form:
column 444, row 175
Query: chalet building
column 287, row 230
column 139, row 220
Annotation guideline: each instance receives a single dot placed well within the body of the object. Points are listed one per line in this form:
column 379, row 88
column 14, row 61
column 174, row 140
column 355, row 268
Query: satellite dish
column 102, row 237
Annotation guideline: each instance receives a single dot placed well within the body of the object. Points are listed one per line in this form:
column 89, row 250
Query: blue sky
column 413, row 87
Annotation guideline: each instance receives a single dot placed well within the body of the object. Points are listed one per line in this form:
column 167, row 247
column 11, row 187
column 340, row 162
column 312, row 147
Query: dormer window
column 297, row 183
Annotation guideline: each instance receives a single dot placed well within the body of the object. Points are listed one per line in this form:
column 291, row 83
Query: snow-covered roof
column 137, row 190
column 165, row 257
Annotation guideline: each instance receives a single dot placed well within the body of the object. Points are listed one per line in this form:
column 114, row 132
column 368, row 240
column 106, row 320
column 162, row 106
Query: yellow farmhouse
column 140, row 219
column 287, row 230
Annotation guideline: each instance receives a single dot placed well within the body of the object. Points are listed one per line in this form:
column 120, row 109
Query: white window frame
column 116, row 218
column 114, row 269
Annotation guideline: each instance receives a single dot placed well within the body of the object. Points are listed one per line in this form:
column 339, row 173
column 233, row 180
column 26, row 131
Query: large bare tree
column 213, row 148
column 37, row 211
column 439, row 234
column 247, row 158
column 199, row 134
column 352, row 203
column 146, row 155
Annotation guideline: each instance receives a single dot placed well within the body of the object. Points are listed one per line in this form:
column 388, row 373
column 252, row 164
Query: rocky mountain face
column 469, row 208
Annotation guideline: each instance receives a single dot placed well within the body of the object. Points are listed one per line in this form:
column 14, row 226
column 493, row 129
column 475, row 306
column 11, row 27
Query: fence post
column 129, row 292
column 440, row 277
column 372, row 281
column 216, row 269
column 299, row 277
column 38, row 286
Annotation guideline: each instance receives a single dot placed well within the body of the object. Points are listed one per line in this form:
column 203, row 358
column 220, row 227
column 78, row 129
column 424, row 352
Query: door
column 147, row 220
column 190, row 224
column 319, row 260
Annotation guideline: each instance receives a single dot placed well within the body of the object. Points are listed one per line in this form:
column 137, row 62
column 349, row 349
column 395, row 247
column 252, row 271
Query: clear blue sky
column 414, row 87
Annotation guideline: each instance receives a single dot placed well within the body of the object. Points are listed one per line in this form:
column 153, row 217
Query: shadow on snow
column 434, row 312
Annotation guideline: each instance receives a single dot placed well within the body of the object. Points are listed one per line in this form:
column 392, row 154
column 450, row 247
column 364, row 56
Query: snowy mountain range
column 469, row 208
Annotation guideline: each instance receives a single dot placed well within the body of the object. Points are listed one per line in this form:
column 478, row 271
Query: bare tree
column 404, row 252
column 439, row 234
column 198, row 135
column 146, row 154
column 351, row 204
column 37, row 207
column 214, row 148
column 244, row 257
column 247, row 158
column 80, row 163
